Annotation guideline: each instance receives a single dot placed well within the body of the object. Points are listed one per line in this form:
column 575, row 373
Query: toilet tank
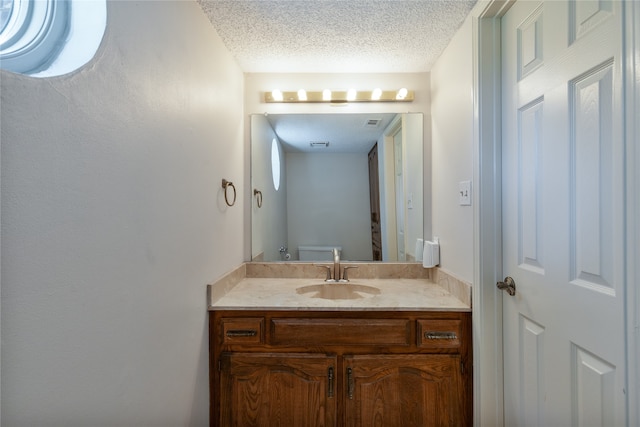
column 316, row 253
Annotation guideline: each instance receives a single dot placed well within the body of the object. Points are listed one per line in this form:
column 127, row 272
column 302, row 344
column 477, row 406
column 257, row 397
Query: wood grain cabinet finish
column 340, row 369
column 409, row 390
column 272, row 389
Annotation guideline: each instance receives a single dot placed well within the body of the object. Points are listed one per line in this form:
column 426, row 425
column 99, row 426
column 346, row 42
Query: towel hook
column 258, row 195
column 226, row 184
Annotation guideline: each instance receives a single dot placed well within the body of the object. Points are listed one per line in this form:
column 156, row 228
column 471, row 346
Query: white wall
column 452, row 152
column 269, row 223
column 113, row 222
column 326, row 203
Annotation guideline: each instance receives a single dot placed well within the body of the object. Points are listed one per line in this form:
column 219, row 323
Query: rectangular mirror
column 349, row 181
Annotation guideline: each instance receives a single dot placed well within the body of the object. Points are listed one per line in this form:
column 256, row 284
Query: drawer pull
column 235, row 333
column 435, row 335
column 350, row 384
column 330, row 377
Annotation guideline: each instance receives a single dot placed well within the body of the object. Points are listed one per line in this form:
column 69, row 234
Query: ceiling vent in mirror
column 319, row 144
column 372, row 123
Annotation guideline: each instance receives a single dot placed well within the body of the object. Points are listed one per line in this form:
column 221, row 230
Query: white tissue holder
column 431, row 253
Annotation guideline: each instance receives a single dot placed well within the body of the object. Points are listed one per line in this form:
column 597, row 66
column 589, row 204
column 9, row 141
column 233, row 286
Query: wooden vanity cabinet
column 274, row 389
column 317, row 369
column 407, row 390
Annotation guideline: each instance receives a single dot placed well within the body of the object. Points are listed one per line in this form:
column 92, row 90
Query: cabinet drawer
column 341, row 331
column 439, row 333
column 243, row 330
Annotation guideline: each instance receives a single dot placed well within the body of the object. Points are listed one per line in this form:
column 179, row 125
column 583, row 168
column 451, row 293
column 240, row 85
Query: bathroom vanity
column 283, row 352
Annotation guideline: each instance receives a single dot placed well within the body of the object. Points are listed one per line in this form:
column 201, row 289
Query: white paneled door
column 563, row 214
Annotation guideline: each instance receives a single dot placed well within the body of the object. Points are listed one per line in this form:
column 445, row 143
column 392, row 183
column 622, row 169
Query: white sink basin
column 335, row 291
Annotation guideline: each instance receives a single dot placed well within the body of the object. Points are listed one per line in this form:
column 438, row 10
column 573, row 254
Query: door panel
column 277, row 390
column 563, row 213
column 404, row 391
column 531, row 354
column 374, row 200
column 592, row 182
column 398, row 156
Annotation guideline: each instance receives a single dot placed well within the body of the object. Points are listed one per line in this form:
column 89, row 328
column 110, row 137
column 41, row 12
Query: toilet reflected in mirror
column 317, row 253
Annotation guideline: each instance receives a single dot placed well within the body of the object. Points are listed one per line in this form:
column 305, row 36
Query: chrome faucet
column 336, row 264
column 337, row 277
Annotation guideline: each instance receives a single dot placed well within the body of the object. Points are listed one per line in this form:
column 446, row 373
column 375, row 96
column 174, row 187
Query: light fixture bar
column 339, row 97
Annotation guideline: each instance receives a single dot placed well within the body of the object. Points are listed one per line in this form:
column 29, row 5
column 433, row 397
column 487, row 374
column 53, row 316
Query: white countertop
column 395, row 294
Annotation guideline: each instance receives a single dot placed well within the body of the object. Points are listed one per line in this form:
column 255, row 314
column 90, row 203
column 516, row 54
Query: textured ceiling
column 329, row 36
column 374, row 36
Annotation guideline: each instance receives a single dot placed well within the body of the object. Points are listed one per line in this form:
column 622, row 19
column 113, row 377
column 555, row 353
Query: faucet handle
column 328, row 271
column 344, row 271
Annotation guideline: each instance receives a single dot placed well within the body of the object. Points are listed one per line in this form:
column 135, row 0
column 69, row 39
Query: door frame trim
column 487, row 216
column 631, row 55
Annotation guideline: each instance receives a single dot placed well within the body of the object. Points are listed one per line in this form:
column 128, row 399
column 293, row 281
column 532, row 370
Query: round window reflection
column 275, row 163
column 6, row 7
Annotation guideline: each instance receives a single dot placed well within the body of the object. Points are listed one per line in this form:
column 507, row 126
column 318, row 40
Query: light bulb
column 277, row 95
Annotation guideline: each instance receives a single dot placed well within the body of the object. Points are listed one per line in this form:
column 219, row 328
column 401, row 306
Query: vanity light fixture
column 339, row 97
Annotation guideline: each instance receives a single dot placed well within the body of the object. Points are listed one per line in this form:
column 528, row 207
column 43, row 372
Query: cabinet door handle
column 436, row 335
column 330, row 377
column 350, row 384
column 235, row 333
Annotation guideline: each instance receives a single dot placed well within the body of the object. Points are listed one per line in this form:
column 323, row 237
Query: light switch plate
column 464, row 194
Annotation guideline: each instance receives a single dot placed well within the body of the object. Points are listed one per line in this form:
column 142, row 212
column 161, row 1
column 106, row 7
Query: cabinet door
column 404, row 390
column 270, row 390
